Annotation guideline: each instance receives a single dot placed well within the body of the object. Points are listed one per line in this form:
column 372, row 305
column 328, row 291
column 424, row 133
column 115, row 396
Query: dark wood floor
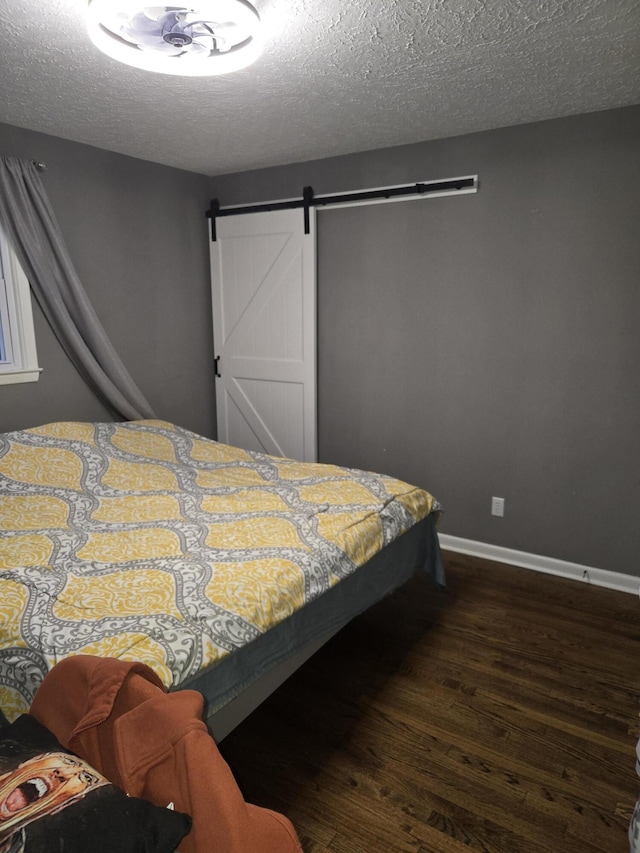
column 501, row 715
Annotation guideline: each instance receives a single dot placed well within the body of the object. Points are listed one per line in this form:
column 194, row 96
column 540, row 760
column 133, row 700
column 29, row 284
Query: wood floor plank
column 500, row 716
column 404, row 740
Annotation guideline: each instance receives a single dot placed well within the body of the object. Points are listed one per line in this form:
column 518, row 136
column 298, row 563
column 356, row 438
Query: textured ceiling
column 335, row 77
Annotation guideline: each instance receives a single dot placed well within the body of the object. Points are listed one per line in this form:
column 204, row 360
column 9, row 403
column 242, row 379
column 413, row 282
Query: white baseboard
column 586, row 574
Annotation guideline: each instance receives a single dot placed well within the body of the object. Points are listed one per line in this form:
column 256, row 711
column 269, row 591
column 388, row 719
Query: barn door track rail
column 451, row 186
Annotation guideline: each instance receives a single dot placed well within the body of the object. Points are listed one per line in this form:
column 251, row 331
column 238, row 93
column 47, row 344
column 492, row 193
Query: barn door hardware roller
column 215, row 211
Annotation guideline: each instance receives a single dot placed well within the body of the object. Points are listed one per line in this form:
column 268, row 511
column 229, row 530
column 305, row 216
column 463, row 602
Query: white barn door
column 263, row 277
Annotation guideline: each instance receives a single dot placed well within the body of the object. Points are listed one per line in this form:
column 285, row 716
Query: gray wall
column 137, row 234
column 488, row 344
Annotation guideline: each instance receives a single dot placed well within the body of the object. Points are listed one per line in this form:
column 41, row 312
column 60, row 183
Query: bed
column 220, row 568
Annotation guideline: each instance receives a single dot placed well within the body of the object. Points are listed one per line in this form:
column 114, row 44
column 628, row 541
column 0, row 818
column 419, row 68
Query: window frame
column 16, row 319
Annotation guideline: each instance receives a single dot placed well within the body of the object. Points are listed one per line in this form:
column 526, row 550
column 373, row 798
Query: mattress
column 145, row 541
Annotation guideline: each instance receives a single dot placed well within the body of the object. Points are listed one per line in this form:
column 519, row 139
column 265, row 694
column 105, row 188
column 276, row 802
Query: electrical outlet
column 497, row 507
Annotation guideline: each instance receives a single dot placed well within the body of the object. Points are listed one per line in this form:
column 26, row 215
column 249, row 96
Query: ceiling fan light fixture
column 209, row 38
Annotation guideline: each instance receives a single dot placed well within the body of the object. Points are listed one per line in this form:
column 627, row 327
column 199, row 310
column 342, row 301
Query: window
column 18, row 357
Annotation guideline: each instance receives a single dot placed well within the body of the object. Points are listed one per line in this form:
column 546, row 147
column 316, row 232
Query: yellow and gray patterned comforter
column 146, row 542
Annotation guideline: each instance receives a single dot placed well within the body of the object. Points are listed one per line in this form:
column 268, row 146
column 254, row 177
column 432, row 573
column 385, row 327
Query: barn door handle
column 216, row 362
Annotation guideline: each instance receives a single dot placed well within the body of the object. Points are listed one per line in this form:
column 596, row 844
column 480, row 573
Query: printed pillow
column 52, row 801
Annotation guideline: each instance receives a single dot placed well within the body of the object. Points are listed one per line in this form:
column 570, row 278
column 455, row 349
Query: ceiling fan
column 214, row 37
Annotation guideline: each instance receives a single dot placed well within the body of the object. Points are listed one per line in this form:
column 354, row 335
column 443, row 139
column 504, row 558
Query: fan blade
column 207, row 26
column 198, row 50
column 141, row 23
column 141, row 30
column 169, row 21
column 161, row 47
column 146, row 40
